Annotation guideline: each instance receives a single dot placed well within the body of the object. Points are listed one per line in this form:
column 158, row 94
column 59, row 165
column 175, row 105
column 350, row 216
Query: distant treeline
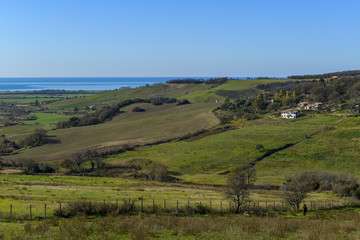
column 37, row 138
column 217, row 81
column 108, row 112
column 327, row 75
column 51, row 92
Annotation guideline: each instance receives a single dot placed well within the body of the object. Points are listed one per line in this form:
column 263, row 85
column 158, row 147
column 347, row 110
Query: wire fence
column 155, row 206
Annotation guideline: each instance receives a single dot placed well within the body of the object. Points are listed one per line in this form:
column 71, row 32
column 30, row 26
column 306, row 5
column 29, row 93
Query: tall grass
column 331, row 225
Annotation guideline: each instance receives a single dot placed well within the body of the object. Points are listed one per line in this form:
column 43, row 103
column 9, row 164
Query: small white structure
column 290, row 114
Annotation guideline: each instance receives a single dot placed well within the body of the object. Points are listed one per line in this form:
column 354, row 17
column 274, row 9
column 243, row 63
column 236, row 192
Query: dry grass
column 332, row 225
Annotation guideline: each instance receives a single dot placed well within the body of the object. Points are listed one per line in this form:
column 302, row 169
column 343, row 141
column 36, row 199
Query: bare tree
column 238, row 186
column 296, row 189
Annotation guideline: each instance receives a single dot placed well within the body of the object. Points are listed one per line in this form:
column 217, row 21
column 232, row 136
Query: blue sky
column 80, row 38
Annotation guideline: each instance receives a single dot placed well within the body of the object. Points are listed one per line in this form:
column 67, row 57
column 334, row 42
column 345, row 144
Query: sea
column 82, row 83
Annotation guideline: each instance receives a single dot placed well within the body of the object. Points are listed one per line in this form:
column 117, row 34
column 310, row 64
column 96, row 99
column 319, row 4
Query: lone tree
column 296, row 189
column 239, row 181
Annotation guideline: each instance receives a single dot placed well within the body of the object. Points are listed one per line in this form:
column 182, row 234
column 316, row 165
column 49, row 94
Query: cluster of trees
column 297, row 186
column 250, row 109
column 217, row 81
column 30, row 166
column 108, row 112
column 149, row 170
column 37, row 138
column 327, row 75
column 74, row 164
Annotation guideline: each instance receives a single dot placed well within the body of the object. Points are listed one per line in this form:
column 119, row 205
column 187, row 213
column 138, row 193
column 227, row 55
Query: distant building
column 290, row 114
column 310, row 106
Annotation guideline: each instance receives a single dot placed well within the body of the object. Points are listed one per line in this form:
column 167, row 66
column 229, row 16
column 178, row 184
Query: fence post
column 30, row 213
column 153, row 205
column 221, row 207
column 282, row 206
column 60, row 209
column 164, row 204
column 142, row 204
column 117, row 205
column 10, row 211
column 129, row 204
column 45, row 211
column 177, row 206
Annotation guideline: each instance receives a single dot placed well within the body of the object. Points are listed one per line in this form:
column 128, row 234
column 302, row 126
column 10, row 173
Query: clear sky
column 81, row 38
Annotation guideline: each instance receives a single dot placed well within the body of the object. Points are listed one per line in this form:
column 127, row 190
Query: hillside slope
column 157, row 123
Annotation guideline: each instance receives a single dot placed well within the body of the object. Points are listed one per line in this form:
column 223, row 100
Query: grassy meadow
column 157, row 123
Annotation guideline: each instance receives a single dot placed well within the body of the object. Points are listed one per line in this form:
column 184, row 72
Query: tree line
column 327, row 75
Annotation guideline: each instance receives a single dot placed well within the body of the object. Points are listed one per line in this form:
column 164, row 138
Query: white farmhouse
column 290, row 114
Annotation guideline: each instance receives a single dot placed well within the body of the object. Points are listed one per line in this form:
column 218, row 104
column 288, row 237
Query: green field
column 48, row 118
column 133, row 128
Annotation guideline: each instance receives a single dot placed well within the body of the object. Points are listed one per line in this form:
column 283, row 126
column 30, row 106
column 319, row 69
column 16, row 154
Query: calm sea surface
column 97, row 83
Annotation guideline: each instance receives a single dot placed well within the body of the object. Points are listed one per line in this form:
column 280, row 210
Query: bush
column 138, row 109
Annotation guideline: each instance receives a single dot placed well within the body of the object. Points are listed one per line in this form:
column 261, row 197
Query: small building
column 303, row 105
column 290, row 114
column 318, row 105
column 310, row 106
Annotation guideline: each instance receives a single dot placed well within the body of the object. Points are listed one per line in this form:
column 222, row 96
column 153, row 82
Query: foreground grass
column 317, row 225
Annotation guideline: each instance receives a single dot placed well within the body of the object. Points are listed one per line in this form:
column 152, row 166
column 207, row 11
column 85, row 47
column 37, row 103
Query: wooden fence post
column 282, row 206
column 45, row 211
column 177, row 206
column 117, row 205
column 142, row 204
column 221, row 207
column 60, row 209
column 164, row 204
